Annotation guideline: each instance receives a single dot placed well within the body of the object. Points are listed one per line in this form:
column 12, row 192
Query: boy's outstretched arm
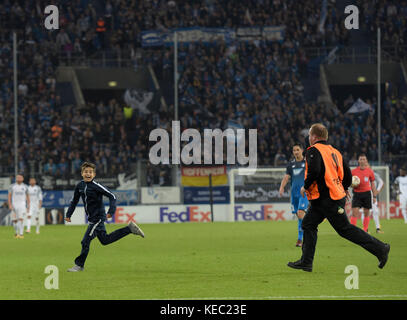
column 73, row 204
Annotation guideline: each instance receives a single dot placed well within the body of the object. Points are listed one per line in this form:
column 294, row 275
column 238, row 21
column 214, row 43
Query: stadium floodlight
column 379, row 103
column 112, row 83
column 361, row 79
column 15, row 104
column 175, row 76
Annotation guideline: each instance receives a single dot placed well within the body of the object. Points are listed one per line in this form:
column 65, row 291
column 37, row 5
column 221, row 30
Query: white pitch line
column 294, row 297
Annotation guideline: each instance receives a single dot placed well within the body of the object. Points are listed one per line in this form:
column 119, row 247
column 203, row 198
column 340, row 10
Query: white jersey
column 378, row 181
column 18, row 195
column 402, row 182
column 35, row 194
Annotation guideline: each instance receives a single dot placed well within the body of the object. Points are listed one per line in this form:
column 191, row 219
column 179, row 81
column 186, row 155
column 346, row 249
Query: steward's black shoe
column 385, row 256
column 299, row 265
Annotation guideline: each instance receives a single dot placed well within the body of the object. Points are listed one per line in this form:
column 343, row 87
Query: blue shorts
column 299, row 203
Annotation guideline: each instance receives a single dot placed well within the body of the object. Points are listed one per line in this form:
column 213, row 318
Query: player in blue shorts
column 296, row 171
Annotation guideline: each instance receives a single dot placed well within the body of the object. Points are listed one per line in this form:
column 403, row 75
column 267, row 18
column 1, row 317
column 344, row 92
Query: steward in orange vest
column 327, row 178
column 100, row 25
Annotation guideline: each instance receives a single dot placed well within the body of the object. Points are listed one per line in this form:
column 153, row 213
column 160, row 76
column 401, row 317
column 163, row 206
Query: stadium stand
column 259, row 84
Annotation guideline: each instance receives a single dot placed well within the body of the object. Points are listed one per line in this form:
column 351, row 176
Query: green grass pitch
column 245, row 260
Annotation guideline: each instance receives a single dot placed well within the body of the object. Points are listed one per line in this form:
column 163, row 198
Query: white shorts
column 34, row 211
column 18, row 213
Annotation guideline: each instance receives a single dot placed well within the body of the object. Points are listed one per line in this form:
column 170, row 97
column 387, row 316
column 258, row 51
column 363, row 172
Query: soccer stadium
column 185, row 135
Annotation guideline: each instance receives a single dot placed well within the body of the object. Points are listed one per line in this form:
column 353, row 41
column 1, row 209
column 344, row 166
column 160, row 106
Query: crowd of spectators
column 256, row 84
column 391, row 17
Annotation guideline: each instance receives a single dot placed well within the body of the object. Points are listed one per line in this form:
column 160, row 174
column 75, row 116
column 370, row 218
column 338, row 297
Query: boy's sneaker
column 134, row 228
column 75, row 268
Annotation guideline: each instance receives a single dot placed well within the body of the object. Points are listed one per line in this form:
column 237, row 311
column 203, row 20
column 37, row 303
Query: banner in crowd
column 200, row 195
column 152, row 38
column 198, row 176
column 158, row 195
column 193, row 34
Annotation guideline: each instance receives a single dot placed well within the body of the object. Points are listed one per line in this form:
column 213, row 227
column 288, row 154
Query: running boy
column 92, row 194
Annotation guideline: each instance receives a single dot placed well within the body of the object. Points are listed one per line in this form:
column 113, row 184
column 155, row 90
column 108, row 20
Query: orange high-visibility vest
column 334, row 173
column 100, row 26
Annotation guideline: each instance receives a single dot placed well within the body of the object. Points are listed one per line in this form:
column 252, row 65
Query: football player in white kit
column 19, row 204
column 375, row 209
column 35, row 194
column 401, row 185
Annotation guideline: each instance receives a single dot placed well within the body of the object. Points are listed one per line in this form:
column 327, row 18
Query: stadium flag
column 138, row 99
column 321, row 26
column 359, row 106
column 199, row 176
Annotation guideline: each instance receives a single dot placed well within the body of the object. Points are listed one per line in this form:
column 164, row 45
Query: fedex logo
column 192, row 214
column 266, row 212
column 124, row 217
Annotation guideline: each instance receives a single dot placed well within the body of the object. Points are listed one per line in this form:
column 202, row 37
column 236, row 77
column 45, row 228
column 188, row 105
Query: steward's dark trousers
column 330, row 209
column 98, row 230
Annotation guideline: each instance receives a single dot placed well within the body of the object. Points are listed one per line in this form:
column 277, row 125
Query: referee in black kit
column 327, row 178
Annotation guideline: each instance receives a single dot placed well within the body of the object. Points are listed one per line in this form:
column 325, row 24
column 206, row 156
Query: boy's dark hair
column 298, row 145
column 88, row 165
column 362, row 155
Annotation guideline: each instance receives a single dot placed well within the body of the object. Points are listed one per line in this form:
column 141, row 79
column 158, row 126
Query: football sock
column 376, row 218
column 20, row 227
column 37, row 224
column 15, row 227
column 300, row 231
column 353, row 220
column 366, row 221
column 28, row 223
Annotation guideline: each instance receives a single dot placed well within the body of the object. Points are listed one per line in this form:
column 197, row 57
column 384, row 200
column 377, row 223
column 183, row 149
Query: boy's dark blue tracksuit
column 92, row 196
